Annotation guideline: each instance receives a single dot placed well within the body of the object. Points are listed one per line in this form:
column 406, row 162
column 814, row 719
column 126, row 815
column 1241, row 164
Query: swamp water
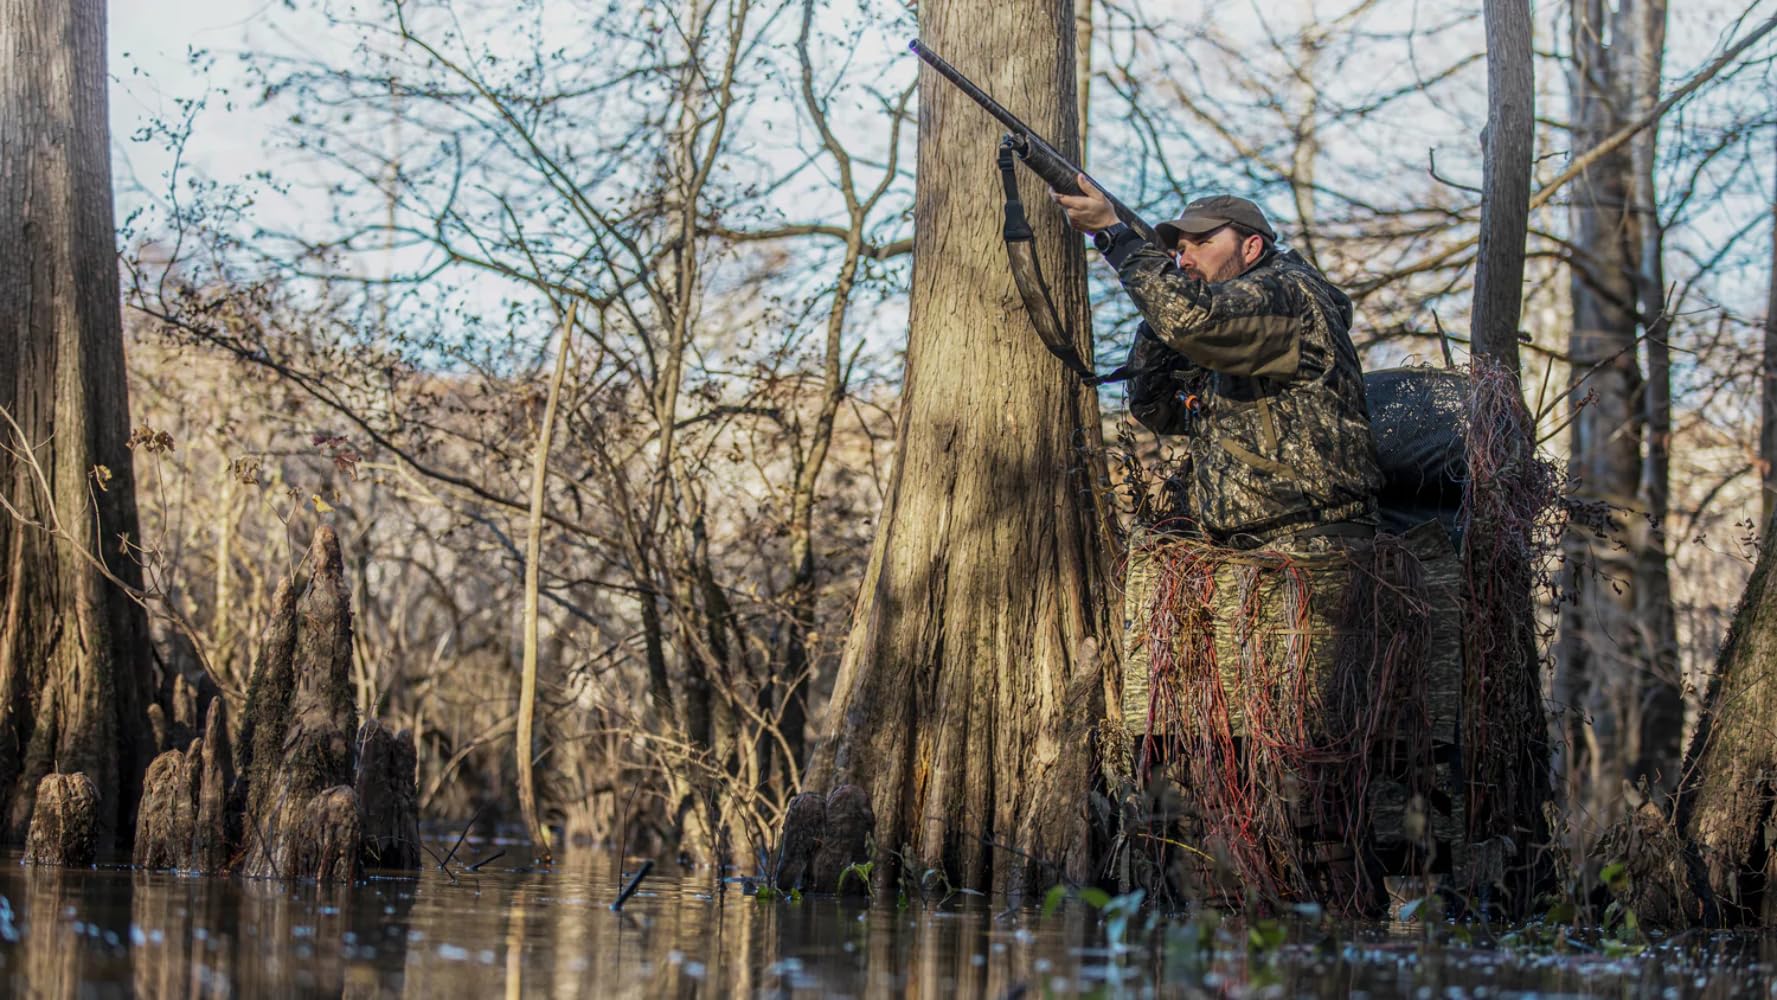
column 506, row 931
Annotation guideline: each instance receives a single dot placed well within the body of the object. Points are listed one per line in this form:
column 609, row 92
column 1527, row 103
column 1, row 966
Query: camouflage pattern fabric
column 1280, row 435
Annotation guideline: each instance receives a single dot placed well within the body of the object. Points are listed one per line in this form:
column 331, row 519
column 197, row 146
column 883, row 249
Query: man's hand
column 1089, row 211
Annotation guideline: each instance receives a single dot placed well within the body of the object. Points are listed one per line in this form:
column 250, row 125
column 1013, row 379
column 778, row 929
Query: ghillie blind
column 1306, row 719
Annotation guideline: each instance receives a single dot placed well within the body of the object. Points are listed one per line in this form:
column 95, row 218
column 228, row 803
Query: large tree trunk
column 1725, row 811
column 73, row 645
column 963, row 701
column 1618, row 705
column 1726, row 808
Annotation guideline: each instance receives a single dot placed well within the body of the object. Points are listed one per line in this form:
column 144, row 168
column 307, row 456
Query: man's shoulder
column 1290, row 268
column 1290, row 264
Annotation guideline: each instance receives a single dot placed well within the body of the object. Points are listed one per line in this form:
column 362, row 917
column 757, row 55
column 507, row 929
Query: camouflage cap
column 1206, row 214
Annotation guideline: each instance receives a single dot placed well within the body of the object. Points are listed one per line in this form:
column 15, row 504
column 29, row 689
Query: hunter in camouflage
column 1246, row 349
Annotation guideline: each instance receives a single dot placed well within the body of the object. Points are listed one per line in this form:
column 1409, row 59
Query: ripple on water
column 115, row 930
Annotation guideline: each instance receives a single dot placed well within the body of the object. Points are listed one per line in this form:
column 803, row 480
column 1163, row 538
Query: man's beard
column 1231, row 268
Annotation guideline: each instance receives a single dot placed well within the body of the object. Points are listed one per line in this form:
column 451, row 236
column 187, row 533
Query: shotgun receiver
column 1044, row 160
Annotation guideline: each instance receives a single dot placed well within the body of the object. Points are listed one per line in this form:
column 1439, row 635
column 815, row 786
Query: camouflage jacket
column 1279, row 431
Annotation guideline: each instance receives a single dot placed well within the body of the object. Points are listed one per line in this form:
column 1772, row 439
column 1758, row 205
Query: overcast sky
column 150, row 42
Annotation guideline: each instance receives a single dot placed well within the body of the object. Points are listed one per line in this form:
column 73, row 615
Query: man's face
column 1217, row 255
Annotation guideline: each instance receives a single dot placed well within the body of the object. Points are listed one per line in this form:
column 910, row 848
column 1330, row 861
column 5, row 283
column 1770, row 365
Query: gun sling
column 1028, row 276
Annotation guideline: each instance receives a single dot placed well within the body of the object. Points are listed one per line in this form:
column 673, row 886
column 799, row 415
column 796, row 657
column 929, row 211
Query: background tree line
column 723, row 194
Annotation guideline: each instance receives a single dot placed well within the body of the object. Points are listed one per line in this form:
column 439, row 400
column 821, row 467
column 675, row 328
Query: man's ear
column 1251, row 249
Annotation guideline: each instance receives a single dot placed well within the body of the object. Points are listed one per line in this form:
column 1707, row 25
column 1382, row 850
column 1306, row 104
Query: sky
column 150, row 72
column 150, row 68
column 153, row 69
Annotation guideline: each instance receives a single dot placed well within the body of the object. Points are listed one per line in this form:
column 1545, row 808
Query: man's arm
column 1249, row 325
column 1158, row 377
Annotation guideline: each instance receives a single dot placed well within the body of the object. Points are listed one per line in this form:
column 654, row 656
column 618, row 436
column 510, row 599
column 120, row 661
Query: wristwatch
column 1104, row 239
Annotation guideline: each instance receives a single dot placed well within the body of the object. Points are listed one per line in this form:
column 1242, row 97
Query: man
column 1247, row 349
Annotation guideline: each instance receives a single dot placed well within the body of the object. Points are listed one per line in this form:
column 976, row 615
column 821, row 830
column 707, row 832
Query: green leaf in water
column 1265, row 936
column 859, row 870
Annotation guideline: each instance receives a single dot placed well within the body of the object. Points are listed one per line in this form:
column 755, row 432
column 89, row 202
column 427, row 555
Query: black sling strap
column 1028, row 276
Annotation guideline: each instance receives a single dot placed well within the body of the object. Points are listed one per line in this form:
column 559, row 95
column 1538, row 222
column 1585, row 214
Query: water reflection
column 116, row 932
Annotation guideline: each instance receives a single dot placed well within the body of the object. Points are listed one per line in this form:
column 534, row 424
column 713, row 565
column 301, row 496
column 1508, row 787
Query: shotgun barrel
column 1043, row 159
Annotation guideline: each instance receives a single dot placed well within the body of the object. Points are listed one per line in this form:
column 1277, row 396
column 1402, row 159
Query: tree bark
column 184, row 820
column 1508, row 784
column 388, row 799
column 1507, row 148
column 73, row 645
column 1725, row 808
column 963, row 700
column 63, row 827
column 1767, row 438
column 533, row 570
column 1606, row 672
column 302, row 819
column 1083, row 75
column 1660, row 742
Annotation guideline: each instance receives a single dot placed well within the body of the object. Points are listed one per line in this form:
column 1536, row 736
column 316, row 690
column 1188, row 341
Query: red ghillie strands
column 1277, row 752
